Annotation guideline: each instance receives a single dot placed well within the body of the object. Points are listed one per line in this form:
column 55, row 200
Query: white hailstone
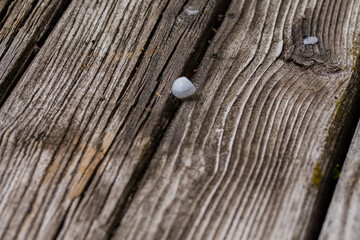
column 310, row 40
column 182, row 88
column 191, row 11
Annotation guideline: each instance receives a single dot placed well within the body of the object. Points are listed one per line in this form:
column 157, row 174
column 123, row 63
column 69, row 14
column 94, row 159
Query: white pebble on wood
column 191, row 11
column 310, row 40
column 182, row 88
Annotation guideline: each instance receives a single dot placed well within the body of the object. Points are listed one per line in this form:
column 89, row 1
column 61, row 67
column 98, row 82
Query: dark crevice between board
column 340, row 134
column 28, row 55
column 171, row 107
column 19, row 23
column 3, row 13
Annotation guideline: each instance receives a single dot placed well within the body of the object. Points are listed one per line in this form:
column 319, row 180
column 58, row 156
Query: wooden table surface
column 93, row 145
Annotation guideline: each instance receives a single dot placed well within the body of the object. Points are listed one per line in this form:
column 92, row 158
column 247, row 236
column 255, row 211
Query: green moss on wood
column 317, row 174
column 336, row 172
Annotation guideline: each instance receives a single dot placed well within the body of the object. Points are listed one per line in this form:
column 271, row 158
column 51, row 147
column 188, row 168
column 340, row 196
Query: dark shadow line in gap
column 29, row 53
column 340, row 135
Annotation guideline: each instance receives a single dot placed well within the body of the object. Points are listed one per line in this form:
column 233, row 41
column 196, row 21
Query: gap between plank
column 31, row 51
column 3, row 13
column 343, row 129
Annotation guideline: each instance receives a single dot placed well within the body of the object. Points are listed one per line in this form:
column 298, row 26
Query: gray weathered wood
column 86, row 116
column 24, row 25
column 343, row 218
column 250, row 158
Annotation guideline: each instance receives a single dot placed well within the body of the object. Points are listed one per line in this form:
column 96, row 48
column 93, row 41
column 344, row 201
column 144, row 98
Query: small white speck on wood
column 191, row 11
column 310, row 40
column 182, row 88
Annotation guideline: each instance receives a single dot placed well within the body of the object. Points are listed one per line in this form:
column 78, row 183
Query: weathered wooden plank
column 4, row 4
column 23, row 27
column 83, row 121
column 342, row 219
column 250, row 158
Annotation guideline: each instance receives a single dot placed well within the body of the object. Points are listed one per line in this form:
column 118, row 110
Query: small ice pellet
column 191, row 11
column 182, row 88
column 310, row 40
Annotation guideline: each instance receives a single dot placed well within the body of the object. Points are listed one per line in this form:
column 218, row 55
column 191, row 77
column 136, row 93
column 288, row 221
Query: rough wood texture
column 85, row 118
column 24, row 24
column 343, row 218
column 250, row 158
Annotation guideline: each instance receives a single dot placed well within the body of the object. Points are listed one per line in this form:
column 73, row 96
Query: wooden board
column 84, row 120
column 250, row 158
column 342, row 219
column 23, row 27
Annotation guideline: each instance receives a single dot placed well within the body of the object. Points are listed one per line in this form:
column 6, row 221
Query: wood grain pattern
column 249, row 157
column 24, row 24
column 252, row 156
column 83, row 121
column 342, row 220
